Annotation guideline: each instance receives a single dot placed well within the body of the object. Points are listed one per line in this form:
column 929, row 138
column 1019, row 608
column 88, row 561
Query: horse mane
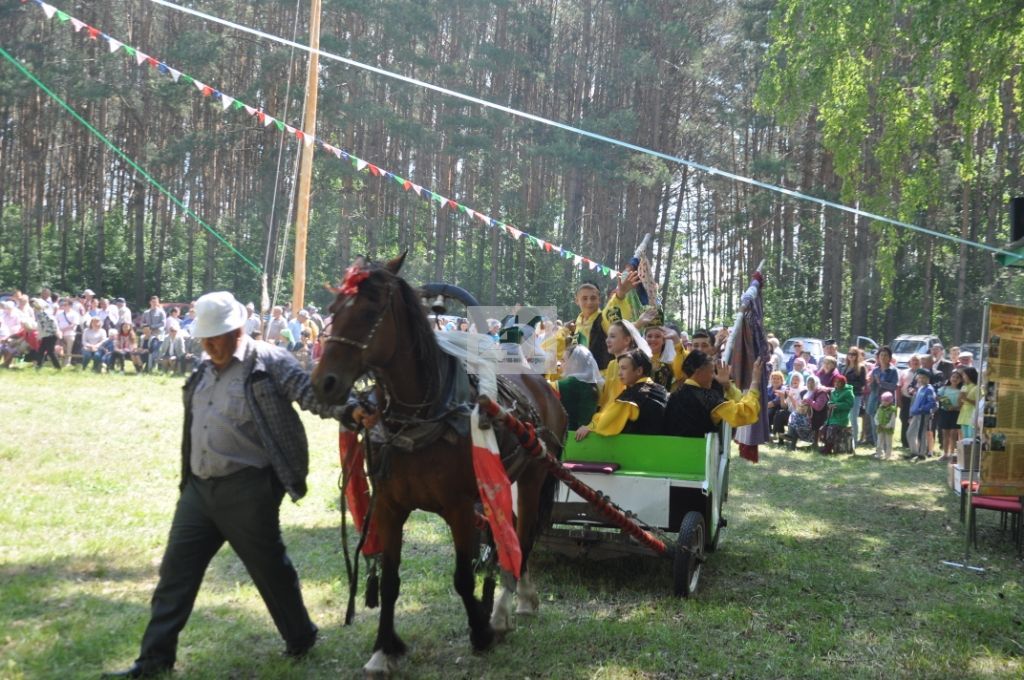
column 421, row 335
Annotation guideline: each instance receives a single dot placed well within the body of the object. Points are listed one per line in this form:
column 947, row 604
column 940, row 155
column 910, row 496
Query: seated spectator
column 620, row 340
column 696, row 409
column 93, row 341
column 144, row 356
column 124, row 349
column 840, row 403
column 799, row 367
column 193, row 353
column 639, row 409
column 173, row 351
column 579, row 386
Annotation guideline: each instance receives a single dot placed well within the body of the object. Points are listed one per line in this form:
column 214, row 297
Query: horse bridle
column 365, row 345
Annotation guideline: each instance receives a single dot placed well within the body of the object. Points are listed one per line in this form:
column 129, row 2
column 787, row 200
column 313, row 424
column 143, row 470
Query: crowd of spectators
column 89, row 332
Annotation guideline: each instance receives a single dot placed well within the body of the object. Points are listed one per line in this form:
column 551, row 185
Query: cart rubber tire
column 689, row 558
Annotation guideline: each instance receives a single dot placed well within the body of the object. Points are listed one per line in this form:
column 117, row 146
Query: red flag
column 357, row 493
column 496, row 495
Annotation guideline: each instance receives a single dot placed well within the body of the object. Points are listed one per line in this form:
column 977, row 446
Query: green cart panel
column 642, row 455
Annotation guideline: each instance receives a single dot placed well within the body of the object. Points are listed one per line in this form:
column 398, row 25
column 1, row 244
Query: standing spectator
column 276, row 324
column 775, row 398
column 831, row 349
column 67, row 323
column 316, row 319
column 307, row 325
column 885, row 424
column 969, row 394
column 123, row 313
column 798, row 353
column 840, row 403
column 155, row 317
column 816, row 397
column 954, row 356
column 884, row 378
column 857, row 378
column 188, row 320
column 940, row 363
column 106, row 315
column 93, row 339
column 921, row 410
column 778, row 360
column 907, row 389
column 828, row 372
column 47, row 328
column 11, row 332
column 948, row 414
column 252, row 320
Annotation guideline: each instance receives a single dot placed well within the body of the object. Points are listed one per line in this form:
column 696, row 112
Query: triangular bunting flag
column 336, row 151
column 484, row 218
column 63, row 16
column 94, row 33
column 547, row 246
column 250, row 110
column 153, row 63
column 406, row 184
column 49, row 10
column 360, row 164
column 308, row 139
column 238, row 105
column 140, row 57
column 289, row 128
column 268, row 120
column 78, row 24
column 174, row 73
column 577, row 260
column 452, row 204
column 515, row 232
column 130, row 50
column 114, row 45
column 279, row 125
column 417, row 188
column 374, row 170
column 226, row 101
column 199, row 86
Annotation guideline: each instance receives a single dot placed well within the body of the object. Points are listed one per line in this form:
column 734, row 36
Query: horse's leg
column 464, row 535
column 531, row 486
column 501, row 614
column 388, row 647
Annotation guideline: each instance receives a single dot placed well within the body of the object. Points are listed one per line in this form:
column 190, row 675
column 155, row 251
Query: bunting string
column 267, row 121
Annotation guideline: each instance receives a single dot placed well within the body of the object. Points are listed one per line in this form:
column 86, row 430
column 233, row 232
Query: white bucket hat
column 216, row 314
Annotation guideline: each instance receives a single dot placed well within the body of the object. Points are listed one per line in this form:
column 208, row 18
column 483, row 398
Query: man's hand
column 365, row 417
column 582, row 433
column 721, row 337
column 626, row 284
column 722, row 372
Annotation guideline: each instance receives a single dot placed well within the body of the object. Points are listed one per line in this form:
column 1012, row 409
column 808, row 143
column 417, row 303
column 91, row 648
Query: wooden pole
column 306, row 164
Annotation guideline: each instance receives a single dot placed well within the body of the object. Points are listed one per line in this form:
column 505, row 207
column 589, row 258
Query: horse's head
column 364, row 327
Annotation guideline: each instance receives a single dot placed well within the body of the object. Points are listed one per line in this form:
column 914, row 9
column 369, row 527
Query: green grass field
column 830, row 568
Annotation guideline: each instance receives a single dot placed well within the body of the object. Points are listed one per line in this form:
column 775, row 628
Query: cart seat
column 642, row 455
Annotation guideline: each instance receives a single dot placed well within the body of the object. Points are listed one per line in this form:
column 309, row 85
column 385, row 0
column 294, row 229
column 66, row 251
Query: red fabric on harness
column 496, row 496
column 357, row 492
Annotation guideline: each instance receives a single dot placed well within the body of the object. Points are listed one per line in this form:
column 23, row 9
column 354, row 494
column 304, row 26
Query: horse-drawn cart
column 671, row 487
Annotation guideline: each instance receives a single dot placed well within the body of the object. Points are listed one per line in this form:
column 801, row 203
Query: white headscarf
column 580, row 364
column 638, row 339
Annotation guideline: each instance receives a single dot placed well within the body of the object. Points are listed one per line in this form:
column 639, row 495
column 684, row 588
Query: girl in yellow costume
column 640, row 407
column 622, row 337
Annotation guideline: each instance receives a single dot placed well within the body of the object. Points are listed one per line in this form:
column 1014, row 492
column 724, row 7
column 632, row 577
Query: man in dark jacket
column 243, row 447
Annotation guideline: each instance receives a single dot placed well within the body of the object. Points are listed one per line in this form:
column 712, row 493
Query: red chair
column 963, row 497
column 1011, row 509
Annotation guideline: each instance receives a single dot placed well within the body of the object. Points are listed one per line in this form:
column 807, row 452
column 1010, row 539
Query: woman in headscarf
column 639, row 409
column 579, row 386
column 840, row 403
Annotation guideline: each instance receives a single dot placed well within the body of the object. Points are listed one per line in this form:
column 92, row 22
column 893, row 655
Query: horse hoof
column 380, row 665
column 502, row 622
column 527, row 605
column 483, row 640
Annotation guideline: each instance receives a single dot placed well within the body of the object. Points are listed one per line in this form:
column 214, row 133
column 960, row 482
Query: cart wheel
column 689, row 554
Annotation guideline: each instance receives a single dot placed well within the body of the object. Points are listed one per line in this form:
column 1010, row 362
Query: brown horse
column 379, row 328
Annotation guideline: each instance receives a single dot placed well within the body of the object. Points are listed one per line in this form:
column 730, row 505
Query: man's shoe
column 137, row 671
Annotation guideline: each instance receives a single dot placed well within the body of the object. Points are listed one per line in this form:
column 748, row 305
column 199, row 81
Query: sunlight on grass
column 830, row 568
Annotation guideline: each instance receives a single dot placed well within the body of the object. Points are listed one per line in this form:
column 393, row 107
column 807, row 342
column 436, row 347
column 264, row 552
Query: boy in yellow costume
column 618, row 307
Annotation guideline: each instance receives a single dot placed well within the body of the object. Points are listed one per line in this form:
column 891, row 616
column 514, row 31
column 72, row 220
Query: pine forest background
column 908, row 109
